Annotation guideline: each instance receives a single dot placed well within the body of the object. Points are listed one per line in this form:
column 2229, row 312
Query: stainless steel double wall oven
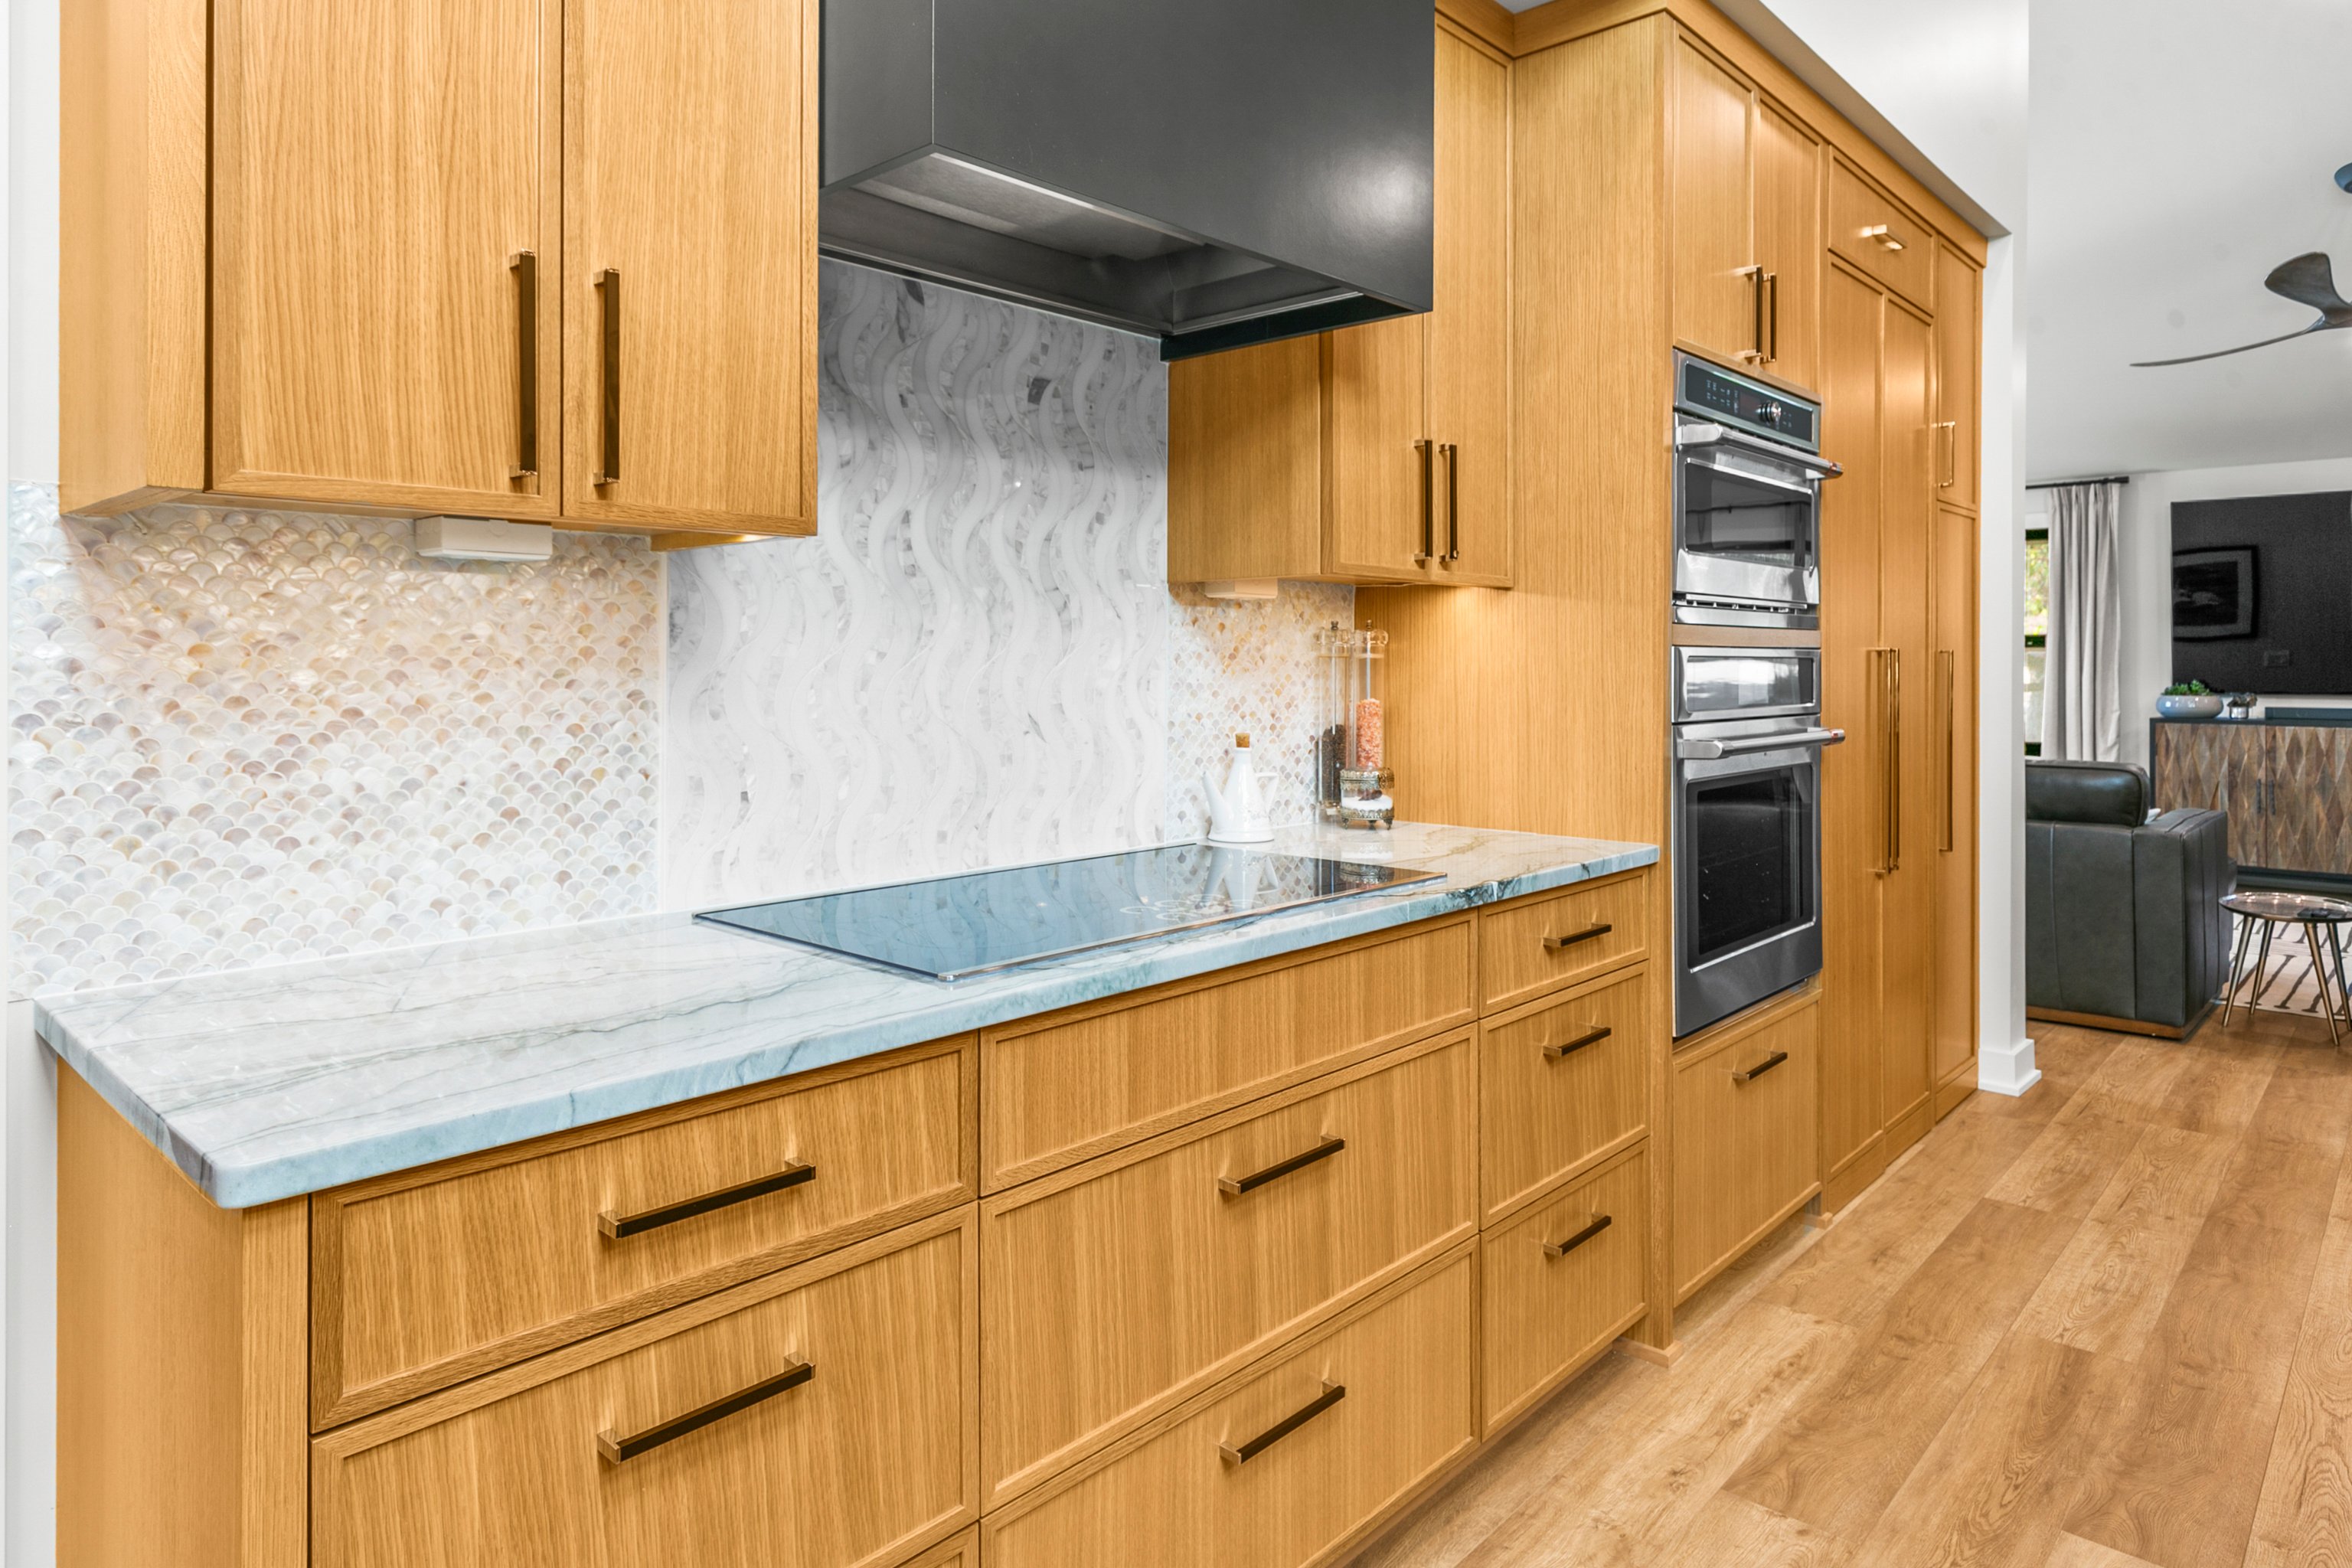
column 1745, row 822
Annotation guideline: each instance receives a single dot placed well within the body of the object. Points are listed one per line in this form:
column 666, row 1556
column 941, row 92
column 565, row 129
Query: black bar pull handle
column 618, row 1226
column 1234, row 1186
column 1241, row 1455
column 1453, row 501
column 524, row 265
column 1428, row 454
column 1570, row 1047
column 608, row 296
column 1563, row 1248
column 1761, row 1068
column 1590, row 933
column 619, row 1450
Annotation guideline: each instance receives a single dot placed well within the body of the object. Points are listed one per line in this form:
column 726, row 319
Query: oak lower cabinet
column 2285, row 785
column 1227, row 1270
column 1744, row 1144
column 443, row 256
column 1377, row 453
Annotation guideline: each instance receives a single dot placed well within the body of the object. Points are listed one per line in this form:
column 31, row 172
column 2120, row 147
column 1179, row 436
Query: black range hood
column 1211, row 173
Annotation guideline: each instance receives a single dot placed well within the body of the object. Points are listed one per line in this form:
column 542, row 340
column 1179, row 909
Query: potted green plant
column 2189, row 700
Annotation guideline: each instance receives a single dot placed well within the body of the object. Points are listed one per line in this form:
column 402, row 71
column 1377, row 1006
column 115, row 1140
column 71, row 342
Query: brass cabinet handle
column 524, row 265
column 1947, row 697
column 608, row 299
column 1772, row 280
column 1754, row 276
column 1428, row 453
column 1951, row 443
column 1894, row 759
column 619, row 1450
column 1234, row 1186
column 1879, row 232
column 621, row 1227
column 1332, row 1394
column 1563, row 1248
column 1570, row 1047
column 1590, row 932
column 1453, row 501
column 1761, row 1068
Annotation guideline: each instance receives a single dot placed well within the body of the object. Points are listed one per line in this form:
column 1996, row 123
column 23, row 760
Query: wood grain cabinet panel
column 1559, row 1283
column 2218, row 767
column 1529, row 946
column 583, row 1455
column 1952, row 699
column 1909, row 738
column 1113, row 1290
column 1788, row 243
column 689, row 172
column 2308, row 825
column 1718, row 295
column 1383, row 454
column 1745, row 1145
column 1881, row 236
column 1402, row 1373
column 378, row 168
column 424, row 1277
column 1960, row 338
column 1068, row 1086
column 1560, row 1082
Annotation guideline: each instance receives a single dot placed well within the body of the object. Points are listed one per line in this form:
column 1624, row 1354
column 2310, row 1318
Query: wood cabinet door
column 1470, row 328
column 2308, row 825
column 1380, row 505
column 378, row 169
column 1953, row 697
column 1719, row 298
column 1788, row 243
column 689, row 150
column 1853, row 835
column 1959, row 340
column 2213, row 767
column 1907, row 908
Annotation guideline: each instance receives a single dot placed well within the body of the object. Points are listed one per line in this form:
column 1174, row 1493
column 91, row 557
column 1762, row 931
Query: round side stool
column 2319, row 918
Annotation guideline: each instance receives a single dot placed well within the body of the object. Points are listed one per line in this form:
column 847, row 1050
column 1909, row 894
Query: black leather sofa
column 2124, row 924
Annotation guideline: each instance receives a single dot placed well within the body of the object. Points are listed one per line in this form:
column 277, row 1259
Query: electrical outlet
column 2276, row 658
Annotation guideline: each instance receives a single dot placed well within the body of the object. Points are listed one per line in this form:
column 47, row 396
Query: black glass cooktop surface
column 947, row 928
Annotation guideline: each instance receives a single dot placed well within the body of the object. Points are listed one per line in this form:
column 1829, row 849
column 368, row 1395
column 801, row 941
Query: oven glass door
column 1749, row 856
column 1744, row 528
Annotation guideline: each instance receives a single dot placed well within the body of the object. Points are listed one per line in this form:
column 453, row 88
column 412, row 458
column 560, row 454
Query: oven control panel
column 1713, row 392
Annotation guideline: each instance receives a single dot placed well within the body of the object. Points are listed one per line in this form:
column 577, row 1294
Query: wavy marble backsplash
column 241, row 737
column 977, row 660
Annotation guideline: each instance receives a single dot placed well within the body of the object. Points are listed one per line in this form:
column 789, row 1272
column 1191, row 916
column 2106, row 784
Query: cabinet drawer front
column 1086, row 1085
column 1745, row 1148
column 1530, row 946
column 1123, row 1290
column 1867, row 227
column 1557, row 1284
column 1177, row 1498
column 861, row 1462
column 417, row 1283
column 1560, row 1084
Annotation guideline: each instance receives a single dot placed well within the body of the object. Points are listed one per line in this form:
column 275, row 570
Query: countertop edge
column 236, row 1186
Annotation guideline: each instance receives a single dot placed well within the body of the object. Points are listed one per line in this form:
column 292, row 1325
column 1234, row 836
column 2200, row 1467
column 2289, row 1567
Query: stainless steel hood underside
column 1211, row 173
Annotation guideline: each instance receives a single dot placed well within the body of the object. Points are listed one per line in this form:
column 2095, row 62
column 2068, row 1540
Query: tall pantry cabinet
column 552, row 263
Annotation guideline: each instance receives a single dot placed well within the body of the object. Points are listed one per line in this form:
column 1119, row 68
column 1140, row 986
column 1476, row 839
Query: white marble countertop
column 264, row 1084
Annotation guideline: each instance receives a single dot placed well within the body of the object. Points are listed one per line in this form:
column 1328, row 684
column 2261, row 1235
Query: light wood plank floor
column 2105, row 1325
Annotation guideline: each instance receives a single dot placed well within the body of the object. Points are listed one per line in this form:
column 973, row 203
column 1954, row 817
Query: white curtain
column 2082, row 698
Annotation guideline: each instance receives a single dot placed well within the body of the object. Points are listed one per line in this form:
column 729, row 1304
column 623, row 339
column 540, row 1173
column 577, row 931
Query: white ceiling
column 2178, row 150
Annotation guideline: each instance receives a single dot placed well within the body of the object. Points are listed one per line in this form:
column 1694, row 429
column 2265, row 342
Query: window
column 2037, row 631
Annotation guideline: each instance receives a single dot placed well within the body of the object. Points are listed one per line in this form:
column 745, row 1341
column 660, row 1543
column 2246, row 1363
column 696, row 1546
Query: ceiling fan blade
column 2319, row 326
column 2307, row 281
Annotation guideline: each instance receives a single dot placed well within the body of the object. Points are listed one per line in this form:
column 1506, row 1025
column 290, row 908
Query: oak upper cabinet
column 380, row 232
column 1378, row 453
column 689, row 287
column 1958, row 322
column 382, row 264
column 1747, row 221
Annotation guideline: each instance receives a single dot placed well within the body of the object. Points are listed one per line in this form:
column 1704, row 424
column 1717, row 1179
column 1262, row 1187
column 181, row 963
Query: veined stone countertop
column 264, row 1084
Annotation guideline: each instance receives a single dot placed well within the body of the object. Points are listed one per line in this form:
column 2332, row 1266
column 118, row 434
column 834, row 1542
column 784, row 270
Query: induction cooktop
column 950, row 928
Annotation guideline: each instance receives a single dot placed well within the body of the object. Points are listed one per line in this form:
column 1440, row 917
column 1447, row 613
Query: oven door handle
column 1708, row 751
column 1815, row 467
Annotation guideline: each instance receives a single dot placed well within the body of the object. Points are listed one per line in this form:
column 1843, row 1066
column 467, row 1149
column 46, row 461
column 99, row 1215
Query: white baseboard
column 2010, row 1071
